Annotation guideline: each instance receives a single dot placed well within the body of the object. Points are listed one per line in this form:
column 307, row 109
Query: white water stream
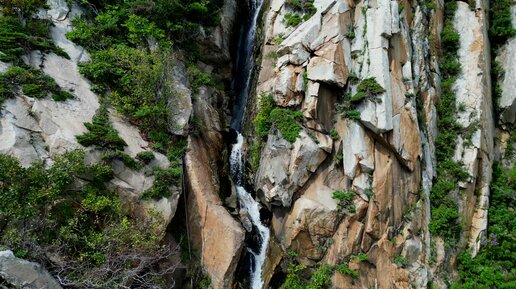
column 252, row 207
column 244, row 72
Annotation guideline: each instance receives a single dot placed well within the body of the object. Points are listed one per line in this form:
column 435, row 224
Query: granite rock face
column 386, row 155
column 24, row 274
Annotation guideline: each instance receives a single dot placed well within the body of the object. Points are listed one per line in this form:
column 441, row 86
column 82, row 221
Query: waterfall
column 248, row 204
column 241, row 86
column 244, row 64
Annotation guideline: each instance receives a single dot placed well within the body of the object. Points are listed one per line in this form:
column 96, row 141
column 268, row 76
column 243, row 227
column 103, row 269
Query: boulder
column 215, row 234
column 285, row 167
column 327, row 71
column 24, row 274
column 179, row 102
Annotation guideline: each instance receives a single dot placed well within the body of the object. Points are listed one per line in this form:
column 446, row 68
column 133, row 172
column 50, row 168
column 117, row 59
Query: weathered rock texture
column 39, row 129
column 387, row 157
column 24, row 274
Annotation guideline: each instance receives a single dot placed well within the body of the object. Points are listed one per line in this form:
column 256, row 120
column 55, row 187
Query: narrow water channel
column 241, row 85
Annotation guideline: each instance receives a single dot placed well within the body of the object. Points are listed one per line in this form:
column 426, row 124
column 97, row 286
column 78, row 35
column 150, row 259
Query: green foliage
column 368, row 87
column 303, row 10
column 321, row 277
column 164, row 179
column 445, row 217
column 286, row 121
column 353, row 114
column 401, row 261
column 136, row 22
column 500, row 31
column 123, row 157
column 262, row 121
column 256, row 149
column 501, row 28
column 345, row 199
column 361, row 257
column 283, row 119
column 134, row 78
column 198, row 77
column 345, row 270
column 146, row 156
column 48, row 211
column 17, row 39
column 493, row 267
column 304, row 6
column 278, row 39
column 101, row 133
column 334, row 134
column 339, row 158
column 33, row 83
column 20, row 8
column 294, row 280
column 292, row 19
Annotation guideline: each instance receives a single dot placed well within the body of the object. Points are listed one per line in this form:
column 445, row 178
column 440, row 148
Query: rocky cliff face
column 354, row 187
column 386, row 156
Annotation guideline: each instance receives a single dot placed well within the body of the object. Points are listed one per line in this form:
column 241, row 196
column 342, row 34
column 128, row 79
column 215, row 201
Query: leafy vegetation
column 33, row 83
column 345, row 199
column 269, row 116
column 494, row 266
column 19, row 36
column 500, row 30
column 68, row 212
column 302, row 277
column 101, row 133
column 368, row 87
column 286, row 121
column 145, row 156
column 401, row 261
column 164, row 179
column 445, row 216
column 345, row 270
column 302, row 11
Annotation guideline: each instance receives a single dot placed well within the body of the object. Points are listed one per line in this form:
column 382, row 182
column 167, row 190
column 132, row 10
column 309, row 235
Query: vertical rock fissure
column 241, row 87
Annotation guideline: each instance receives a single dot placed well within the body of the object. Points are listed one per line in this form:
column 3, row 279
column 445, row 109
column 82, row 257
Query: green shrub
column 101, row 133
column 44, row 211
column 493, row 267
column 164, row 179
column 33, row 90
column 286, row 121
column 345, row 199
column 361, row 257
column 501, row 22
column 292, row 19
column 62, row 95
column 123, row 157
column 146, row 156
column 353, row 114
column 370, row 86
column 444, row 210
column 17, row 39
column 401, row 261
column 321, row 277
column 33, row 83
column 262, row 121
column 334, row 134
column 345, row 270
column 293, row 280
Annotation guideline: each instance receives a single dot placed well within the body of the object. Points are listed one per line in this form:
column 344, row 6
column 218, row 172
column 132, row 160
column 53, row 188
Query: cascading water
column 248, row 204
column 241, row 84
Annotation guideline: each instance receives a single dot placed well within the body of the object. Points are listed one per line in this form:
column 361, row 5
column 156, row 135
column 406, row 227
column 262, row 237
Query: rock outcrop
column 38, row 129
column 385, row 154
column 24, row 274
